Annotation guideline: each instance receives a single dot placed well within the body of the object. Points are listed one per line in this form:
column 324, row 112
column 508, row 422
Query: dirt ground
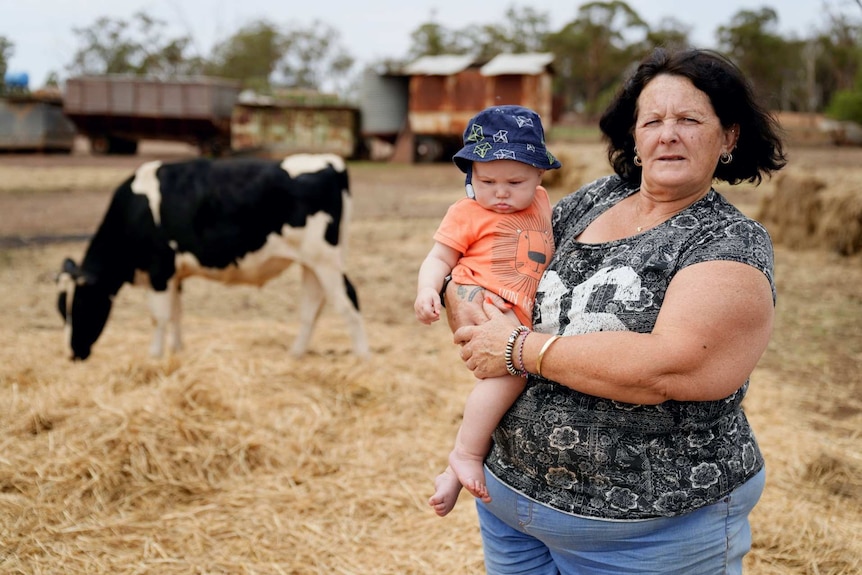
column 232, row 457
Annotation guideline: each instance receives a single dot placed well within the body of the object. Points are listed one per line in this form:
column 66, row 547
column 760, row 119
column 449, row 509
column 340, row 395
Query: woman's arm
column 713, row 327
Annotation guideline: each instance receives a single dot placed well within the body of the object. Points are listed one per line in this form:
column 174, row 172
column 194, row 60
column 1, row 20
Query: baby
column 498, row 238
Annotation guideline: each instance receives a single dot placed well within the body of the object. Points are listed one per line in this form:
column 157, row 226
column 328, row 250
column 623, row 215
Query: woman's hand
column 464, row 304
column 483, row 346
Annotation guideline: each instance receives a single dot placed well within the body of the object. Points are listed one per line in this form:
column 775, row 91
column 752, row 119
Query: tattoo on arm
column 469, row 293
column 467, row 306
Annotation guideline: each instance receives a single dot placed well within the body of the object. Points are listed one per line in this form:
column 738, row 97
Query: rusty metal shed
column 446, row 91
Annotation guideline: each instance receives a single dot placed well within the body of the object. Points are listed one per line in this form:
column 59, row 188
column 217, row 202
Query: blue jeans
column 522, row 536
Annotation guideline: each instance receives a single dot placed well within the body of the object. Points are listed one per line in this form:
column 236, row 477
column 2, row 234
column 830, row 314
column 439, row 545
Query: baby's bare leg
column 486, row 405
column 464, row 307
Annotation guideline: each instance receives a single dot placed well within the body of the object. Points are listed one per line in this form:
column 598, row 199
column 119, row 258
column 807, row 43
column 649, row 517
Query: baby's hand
column 427, row 306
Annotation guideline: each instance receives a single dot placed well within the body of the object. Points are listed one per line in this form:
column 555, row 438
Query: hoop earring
column 637, row 159
column 725, row 158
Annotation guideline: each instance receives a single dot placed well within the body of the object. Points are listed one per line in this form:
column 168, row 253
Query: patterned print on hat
column 505, row 133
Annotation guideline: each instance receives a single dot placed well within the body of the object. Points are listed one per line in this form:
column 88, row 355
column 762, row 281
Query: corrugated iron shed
column 530, row 64
column 445, row 91
column 441, row 103
column 383, row 104
column 444, row 65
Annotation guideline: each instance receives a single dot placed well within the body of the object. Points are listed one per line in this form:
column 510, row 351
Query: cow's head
column 84, row 305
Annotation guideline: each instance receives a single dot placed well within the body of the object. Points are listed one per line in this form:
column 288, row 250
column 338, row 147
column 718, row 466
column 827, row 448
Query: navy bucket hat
column 504, row 133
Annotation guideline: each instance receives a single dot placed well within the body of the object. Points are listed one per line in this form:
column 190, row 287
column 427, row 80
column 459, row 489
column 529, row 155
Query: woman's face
column 679, row 137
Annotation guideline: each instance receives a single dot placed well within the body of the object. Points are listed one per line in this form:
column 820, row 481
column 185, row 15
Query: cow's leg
column 160, row 310
column 334, row 285
column 310, row 306
column 176, row 334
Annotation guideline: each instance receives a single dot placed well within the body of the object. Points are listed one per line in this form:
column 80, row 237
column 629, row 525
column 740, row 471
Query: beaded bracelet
column 510, row 348
column 522, row 368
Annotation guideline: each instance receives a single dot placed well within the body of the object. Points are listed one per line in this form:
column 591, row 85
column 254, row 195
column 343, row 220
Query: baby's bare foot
column 470, row 472
column 447, row 487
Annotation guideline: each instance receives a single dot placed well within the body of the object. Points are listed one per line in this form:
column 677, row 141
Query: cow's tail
column 346, row 217
column 351, row 292
column 344, row 234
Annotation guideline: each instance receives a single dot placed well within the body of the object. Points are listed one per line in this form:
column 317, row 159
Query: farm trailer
column 273, row 129
column 115, row 112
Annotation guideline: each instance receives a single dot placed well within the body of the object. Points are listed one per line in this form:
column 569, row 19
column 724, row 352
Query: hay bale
column 840, row 224
column 580, row 164
column 802, row 212
column 790, row 211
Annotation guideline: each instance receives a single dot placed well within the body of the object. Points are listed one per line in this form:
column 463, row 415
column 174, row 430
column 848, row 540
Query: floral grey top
column 601, row 458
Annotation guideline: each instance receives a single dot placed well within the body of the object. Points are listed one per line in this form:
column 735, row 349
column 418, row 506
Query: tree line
column 817, row 73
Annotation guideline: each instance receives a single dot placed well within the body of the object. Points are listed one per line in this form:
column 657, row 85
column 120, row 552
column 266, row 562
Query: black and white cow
column 230, row 220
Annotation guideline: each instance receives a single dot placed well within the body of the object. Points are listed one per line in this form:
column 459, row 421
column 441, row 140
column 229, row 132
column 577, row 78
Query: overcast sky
column 41, row 30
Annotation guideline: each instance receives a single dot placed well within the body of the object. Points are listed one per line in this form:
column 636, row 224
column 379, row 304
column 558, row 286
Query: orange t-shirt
column 503, row 253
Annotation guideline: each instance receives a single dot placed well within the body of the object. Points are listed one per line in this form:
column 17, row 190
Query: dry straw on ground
column 234, row 458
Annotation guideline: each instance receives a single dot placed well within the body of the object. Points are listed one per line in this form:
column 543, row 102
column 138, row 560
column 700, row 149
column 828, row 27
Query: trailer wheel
column 124, row 146
column 214, row 147
column 99, row 145
column 428, row 150
column 104, row 145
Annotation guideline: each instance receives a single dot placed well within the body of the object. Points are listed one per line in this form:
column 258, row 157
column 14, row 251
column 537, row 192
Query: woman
column 628, row 451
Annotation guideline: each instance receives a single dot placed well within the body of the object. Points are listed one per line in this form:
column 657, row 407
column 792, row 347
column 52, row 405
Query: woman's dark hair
column 759, row 149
